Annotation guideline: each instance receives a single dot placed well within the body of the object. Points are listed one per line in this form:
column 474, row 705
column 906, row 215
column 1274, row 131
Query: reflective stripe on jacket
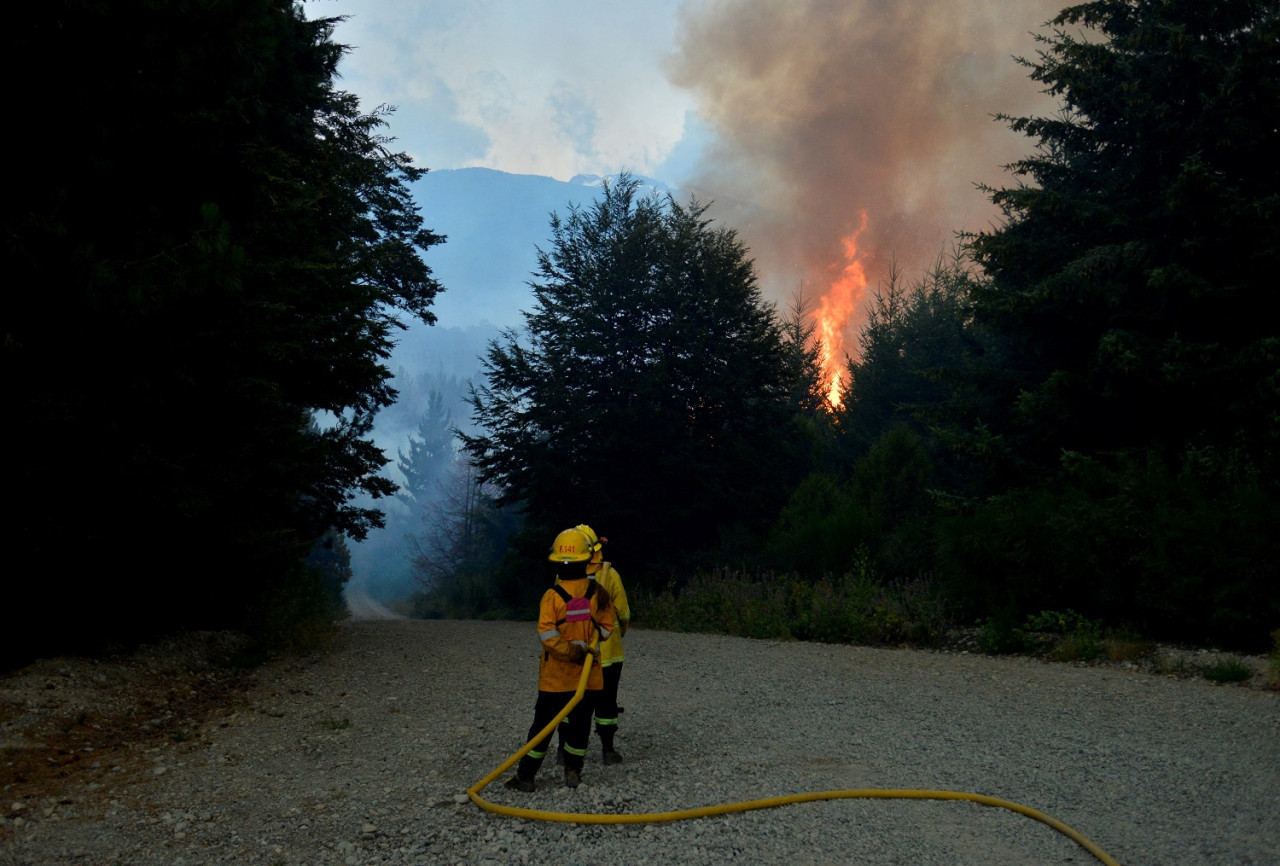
column 556, row 672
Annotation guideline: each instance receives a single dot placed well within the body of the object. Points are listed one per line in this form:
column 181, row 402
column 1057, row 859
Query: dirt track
column 363, row 757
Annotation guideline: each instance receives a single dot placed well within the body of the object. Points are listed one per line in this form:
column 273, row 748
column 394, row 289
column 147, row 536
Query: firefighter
column 575, row 614
column 611, row 653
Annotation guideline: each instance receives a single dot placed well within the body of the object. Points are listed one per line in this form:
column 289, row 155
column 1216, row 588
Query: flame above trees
column 821, row 110
column 836, row 309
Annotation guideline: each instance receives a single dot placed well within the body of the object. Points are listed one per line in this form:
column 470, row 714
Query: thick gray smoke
column 825, row 110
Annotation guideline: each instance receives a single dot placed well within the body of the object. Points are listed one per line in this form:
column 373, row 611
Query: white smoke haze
column 823, row 110
column 544, row 87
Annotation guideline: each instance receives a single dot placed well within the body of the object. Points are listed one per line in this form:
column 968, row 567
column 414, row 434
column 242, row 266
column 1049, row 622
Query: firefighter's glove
column 580, row 650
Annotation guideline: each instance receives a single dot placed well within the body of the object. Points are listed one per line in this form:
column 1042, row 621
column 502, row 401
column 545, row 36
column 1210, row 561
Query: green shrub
column 1083, row 645
column 297, row 614
column 1180, row 546
column 1058, row 622
column 998, row 635
column 462, row 596
column 853, row 608
column 1080, row 638
column 1228, row 670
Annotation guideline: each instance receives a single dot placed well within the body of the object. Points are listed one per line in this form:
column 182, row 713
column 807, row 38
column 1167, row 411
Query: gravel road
column 362, row 757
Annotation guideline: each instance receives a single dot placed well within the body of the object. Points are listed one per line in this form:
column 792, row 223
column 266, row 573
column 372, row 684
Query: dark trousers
column 607, row 706
column 575, row 730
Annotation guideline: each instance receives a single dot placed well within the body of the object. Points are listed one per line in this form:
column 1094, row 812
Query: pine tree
column 211, row 249
column 1131, row 279
column 1129, row 432
column 430, row 454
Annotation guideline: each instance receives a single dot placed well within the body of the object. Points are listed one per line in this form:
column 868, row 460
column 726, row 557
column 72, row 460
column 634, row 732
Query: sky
column 547, row 87
column 836, row 136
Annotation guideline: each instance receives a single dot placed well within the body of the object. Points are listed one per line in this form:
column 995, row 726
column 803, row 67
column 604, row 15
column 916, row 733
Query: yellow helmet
column 573, row 545
column 597, row 547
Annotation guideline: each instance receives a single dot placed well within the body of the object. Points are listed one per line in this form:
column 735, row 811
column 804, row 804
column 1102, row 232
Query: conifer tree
column 210, row 248
column 1129, row 401
column 430, row 454
column 1131, row 278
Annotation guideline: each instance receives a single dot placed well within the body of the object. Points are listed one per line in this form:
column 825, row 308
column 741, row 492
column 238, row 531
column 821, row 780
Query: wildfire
column 834, row 311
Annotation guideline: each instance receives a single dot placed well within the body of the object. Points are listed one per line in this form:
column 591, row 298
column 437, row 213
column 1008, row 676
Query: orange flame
column 834, row 311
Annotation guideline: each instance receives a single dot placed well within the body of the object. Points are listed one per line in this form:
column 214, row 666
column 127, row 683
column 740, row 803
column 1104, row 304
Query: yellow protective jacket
column 611, row 649
column 557, row 672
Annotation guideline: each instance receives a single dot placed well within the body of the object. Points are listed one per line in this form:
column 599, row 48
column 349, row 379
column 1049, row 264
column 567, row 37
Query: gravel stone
column 363, row 756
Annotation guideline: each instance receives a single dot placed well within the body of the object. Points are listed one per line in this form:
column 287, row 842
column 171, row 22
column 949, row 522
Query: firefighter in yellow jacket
column 611, row 653
column 576, row 615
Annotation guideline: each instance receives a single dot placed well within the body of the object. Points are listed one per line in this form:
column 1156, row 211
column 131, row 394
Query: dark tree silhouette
column 649, row 389
column 208, row 250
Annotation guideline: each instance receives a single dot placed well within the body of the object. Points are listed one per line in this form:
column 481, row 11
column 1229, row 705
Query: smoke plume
column 831, row 115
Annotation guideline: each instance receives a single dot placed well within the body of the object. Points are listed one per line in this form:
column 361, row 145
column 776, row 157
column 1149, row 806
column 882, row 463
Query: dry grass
column 1126, row 648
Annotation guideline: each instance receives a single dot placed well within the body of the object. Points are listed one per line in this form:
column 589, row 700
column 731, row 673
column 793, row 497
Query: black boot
column 572, row 770
column 606, row 740
column 516, row 783
column 526, row 771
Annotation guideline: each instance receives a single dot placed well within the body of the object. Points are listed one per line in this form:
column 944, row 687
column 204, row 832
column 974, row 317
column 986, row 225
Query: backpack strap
column 564, row 594
column 565, row 597
column 581, row 610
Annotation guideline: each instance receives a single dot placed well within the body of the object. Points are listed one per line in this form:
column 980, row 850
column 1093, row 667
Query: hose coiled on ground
column 726, row 808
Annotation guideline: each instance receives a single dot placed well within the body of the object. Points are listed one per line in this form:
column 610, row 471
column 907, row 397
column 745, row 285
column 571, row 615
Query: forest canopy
column 211, row 249
column 1077, row 412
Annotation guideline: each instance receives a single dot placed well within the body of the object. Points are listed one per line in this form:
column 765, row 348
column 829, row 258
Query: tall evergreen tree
column 430, row 454
column 1136, row 383
column 1131, row 278
column 916, row 337
column 649, row 390
column 456, row 548
column 210, row 247
column 804, row 365
column 874, row 498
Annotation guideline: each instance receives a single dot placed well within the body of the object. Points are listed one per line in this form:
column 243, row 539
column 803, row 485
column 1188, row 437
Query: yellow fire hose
column 725, row 808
